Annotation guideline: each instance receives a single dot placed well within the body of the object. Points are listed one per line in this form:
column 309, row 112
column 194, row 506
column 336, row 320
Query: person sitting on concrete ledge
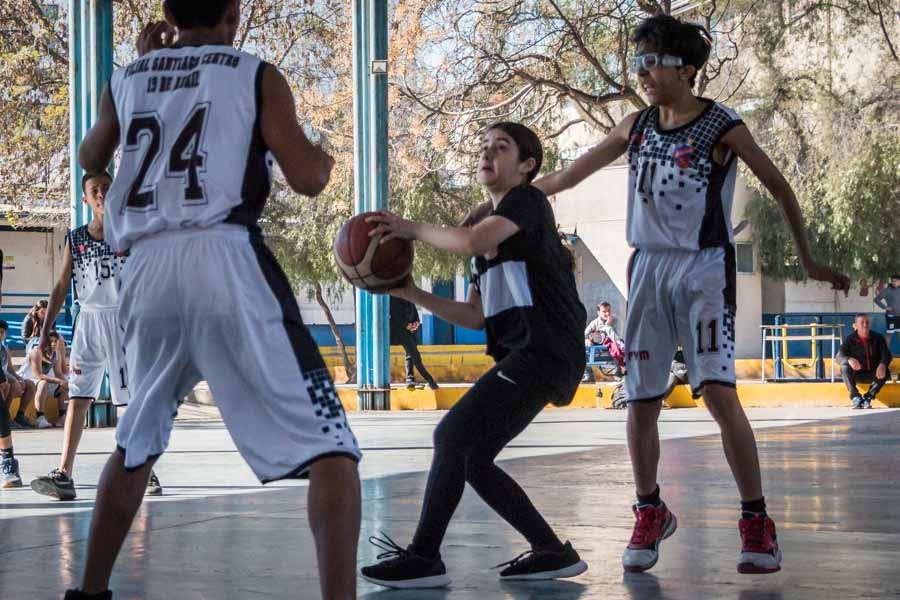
column 864, row 357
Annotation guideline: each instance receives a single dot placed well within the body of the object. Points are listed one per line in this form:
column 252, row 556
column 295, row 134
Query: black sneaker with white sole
column 56, row 485
column 544, row 564
column 404, row 569
column 79, row 595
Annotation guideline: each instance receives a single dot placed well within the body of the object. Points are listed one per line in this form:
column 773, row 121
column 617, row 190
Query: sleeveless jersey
column 47, row 366
column 192, row 149
column 95, row 270
column 679, row 198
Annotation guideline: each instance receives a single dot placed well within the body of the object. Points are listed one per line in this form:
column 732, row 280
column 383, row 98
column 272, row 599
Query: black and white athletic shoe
column 403, row 569
column 154, row 488
column 56, row 485
column 544, row 564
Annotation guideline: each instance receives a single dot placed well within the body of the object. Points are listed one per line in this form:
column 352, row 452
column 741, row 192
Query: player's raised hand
column 838, row 281
column 154, row 36
column 391, row 226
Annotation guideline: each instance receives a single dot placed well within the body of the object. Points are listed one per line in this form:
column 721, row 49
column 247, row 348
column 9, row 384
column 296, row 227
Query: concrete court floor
column 830, row 477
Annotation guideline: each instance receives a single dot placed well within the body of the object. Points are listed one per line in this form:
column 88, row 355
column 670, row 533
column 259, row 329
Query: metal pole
column 378, row 130
column 817, row 351
column 776, row 351
column 86, row 52
column 361, row 173
column 75, row 68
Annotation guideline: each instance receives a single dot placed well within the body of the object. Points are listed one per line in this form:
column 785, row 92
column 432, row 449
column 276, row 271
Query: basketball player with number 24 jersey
column 199, row 124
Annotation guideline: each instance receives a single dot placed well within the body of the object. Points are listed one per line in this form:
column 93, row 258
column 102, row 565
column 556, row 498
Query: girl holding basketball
column 523, row 294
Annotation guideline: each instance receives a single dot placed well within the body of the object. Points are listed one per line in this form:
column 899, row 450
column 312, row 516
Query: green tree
column 825, row 104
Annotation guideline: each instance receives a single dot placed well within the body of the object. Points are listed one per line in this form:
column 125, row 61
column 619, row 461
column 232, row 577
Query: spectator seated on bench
column 864, row 357
column 601, row 332
column 16, row 387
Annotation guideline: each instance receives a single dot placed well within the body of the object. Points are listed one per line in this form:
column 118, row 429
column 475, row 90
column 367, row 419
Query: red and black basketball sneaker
column 652, row 525
column 759, row 546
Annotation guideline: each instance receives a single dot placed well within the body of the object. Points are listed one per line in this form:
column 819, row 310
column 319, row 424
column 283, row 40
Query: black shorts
column 893, row 323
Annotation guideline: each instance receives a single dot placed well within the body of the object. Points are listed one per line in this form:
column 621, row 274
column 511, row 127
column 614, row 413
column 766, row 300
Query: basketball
column 365, row 262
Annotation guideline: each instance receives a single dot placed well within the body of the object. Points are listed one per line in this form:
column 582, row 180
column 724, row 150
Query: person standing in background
column 405, row 325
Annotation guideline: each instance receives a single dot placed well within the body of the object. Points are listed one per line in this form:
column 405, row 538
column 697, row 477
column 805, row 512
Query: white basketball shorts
column 680, row 298
column 214, row 304
column 97, row 349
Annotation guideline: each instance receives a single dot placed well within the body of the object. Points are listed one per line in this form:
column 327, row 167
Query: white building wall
column 31, row 265
column 596, row 212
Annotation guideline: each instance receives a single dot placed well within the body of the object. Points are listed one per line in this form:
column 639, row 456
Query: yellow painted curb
column 752, row 395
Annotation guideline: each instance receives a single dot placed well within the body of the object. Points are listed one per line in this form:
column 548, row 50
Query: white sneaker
column 43, row 423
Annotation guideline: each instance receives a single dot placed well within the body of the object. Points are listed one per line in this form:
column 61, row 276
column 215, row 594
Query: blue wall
column 434, row 331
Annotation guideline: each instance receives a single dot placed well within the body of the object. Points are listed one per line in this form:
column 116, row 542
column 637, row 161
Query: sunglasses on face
column 654, row 60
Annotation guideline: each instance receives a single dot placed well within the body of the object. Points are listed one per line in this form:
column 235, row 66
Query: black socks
column 754, row 507
column 650, row 500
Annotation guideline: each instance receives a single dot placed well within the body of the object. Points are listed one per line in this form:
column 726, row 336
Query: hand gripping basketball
column 368, row 263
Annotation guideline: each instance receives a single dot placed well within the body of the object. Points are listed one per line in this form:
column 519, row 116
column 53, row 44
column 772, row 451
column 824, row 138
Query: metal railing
column 781, row 333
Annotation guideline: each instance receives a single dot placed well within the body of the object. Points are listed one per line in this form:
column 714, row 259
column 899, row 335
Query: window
column 744, row 258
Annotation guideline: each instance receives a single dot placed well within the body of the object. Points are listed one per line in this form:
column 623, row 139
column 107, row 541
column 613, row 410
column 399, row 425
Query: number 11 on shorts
column 713, row 327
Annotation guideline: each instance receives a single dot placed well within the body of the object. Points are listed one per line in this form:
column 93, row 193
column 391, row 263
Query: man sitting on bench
column 601, row 332
column 864, row 357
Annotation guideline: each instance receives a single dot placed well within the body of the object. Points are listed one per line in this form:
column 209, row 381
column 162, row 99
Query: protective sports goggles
column 654, row 60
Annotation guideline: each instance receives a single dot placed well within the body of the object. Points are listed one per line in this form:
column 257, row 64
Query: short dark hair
column 667, row 35
column 861, row 314
column 528, row 142
column 895, row 276
column 604, row 304
column 53, row 334
column 197, row 13
column 4, row 325
column 88, row 176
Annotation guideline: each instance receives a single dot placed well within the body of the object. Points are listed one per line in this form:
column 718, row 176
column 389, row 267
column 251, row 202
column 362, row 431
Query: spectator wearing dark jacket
column 404, row 331
column 864, row 357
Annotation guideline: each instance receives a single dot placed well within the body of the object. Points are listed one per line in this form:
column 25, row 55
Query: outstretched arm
column 57, row 297
column 741, row 142
column 306, row 166
column 611, row 148
column 465, row 241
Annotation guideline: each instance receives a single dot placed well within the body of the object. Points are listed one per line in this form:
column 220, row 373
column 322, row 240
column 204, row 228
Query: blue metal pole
column 87, row 67
column 379, row 195
column 361, row 173
column 75, row 68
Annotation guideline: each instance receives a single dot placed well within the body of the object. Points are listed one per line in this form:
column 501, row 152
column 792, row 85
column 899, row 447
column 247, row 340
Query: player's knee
column 81, row 405
column 333, row 465
column 446, row 437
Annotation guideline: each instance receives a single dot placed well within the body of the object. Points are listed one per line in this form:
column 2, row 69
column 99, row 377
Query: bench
column 598, row 356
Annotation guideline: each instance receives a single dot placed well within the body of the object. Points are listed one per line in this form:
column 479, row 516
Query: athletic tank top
column 679, row 198
column 192, row 149
column 47, row 367
column 95, row 270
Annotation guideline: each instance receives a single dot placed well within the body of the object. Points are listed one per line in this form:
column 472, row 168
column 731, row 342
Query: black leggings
column 5, row 421
column 468, row 439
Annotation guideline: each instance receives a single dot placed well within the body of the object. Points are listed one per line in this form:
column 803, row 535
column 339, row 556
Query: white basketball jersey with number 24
column 192, row 153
